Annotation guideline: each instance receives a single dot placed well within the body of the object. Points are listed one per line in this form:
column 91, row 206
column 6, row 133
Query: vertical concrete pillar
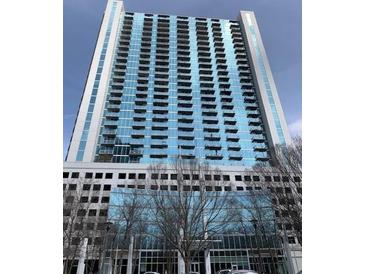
column 130, row 256
column 180, row 264
column 81, row 263
column 208, row 269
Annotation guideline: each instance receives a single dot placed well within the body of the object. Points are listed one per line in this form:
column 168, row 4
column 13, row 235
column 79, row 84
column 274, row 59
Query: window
column 142, row 176
column 92, row 212
column 107, row 187
column 186, row 176
column 249, row 188
column 154, row 187
column 99, row 176
column 173, row 176
column 173, row 188
column 88, row 175
column 66, row 212
column 288, row 227
column 90, row 226
column 164, row 176
column 98, row 241
column 196, row 177
column 121, row 176
column 122, row 186
column 84, row 199
column 208, row 177
column 101, row 226
column 75, row 241
column 217, row 177
column 196, row 188
column 291, row 240
column 96, row 187
column 247, row 178
column 218, row 188
column 285, row 179
column 287, row 190
column 131, row 186
column 154, row 176
column 75, row 175
column 70, row 199
column 227, row 188
column 132, row 176
column 240, row 188
column 297, row 179
column 226, row 178
column 276, row 179
column 141, row 187
column 109, row 176
column 279, row 190
column 81, row 212
column 65, row 225
column 186, row 188
column 94, row 199
column 256, row 178
column 164, row 187
column 268, row 178
column 86, row 187
column 238, row 178
column 65, row 175
column 299, row 189
column 72, row 187
column 209, row 188
column 64, row 186
column 103, row 212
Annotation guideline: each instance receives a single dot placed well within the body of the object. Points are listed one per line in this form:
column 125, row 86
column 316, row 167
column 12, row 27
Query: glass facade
column 181, row 87
column 234, row 247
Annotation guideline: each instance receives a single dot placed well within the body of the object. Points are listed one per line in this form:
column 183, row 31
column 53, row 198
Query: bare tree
column 190, row 214
column 257, row 222
column 286, row 186
column 76, row 205
column 127, row 218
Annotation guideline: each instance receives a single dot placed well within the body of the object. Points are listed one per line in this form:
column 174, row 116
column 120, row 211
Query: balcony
column 232, row 138
column 115, row 99
column 112, row 115
column 110, row 123
column 138, row 133
column 258, row 138
column 210, row 120
column 262, row 157
column 234, row 147
column 116, row 92
column 235, row 156
column 260, row 147
column 256, row 130
column 107, row 142
column 136, row 152
column 113, row 106
column 213, row 145
column 187, row 134
column 248, row 92
column 212, row 137
column 105, row 150
column 251, row 106
column 253, row 114
column 213, row 156
column 109, row 132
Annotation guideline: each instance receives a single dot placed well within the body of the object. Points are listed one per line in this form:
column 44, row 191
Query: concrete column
column 130, row 256
column 81, row 264
column 208, row 270
column 180, row 264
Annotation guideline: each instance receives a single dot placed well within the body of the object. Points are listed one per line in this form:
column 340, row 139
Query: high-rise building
column 163, row 86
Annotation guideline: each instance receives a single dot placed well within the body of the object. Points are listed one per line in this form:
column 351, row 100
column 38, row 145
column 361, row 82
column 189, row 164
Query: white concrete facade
column 103, row 85
column 257, row 51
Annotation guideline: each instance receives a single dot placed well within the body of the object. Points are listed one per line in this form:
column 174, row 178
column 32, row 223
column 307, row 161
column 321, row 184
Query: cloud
column 295, row 128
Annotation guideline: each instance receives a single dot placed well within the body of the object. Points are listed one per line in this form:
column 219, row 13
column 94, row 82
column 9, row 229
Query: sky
column 280, row 24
